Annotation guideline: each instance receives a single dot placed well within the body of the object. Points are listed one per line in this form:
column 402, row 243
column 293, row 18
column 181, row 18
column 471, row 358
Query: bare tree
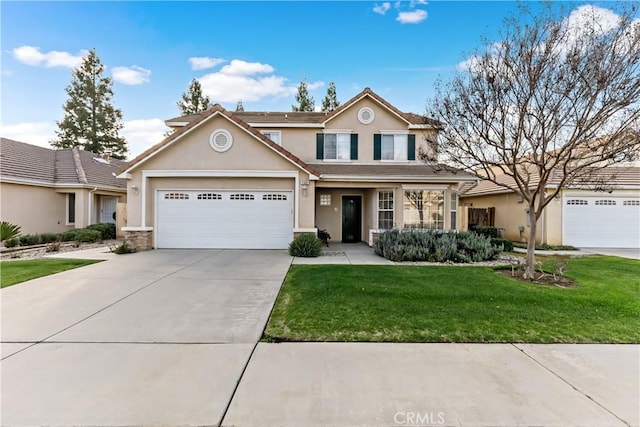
column 557, row 97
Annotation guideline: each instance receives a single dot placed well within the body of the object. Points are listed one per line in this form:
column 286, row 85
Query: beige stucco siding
column 35, row 209
column 302, row 141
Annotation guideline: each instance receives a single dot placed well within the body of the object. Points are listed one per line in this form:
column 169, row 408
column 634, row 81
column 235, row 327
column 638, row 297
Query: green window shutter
column 377, row 146
column 411, row 147
column 320, row 146
column 354, row 146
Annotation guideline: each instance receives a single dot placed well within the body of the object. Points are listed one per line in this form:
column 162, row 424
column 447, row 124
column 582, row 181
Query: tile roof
column 20, row 160
column 218, row 109
column 313, row 117
column 393, row 170
column 616, row 176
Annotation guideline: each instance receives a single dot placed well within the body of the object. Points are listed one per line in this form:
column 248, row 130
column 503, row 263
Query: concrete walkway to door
column 153, row 338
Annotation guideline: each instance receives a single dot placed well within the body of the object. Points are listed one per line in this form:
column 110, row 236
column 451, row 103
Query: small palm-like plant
column 8, row 230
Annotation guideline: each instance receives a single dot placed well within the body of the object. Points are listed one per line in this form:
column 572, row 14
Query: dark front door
column 351, row 219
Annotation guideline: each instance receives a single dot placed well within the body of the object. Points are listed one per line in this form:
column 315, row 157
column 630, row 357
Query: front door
column 351, row 219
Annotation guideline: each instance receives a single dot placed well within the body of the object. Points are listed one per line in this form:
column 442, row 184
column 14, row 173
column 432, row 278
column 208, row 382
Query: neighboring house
column 45, row 190
column 256, row 179
column 596, row 214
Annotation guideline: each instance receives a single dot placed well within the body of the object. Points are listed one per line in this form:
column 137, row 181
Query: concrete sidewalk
column 346, row 253
column 368, row 384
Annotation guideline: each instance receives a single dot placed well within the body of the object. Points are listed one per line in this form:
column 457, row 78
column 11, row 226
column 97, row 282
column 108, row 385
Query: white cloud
column 142, row 134
column 382, row 8
column 584, row 17
column 238, row 67
column 36, row 133
column 204, row 62
column 133, row 75
column 415, row 3
column 239, row 80
column 412, row 17
column 32, row 55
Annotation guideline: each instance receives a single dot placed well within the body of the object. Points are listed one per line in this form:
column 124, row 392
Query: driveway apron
column 159, row 337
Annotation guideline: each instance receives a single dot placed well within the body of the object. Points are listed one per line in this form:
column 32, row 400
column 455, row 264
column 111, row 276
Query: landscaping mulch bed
column 39, row 251
column 546, row 279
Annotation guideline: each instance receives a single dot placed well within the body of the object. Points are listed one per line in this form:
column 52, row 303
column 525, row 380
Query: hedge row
column 91, row 234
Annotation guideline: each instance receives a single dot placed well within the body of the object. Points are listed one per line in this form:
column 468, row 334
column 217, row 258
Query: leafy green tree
column 330, row 101
column 90, row 119
column 304, row 100
column 193, row 101
column 239, row 106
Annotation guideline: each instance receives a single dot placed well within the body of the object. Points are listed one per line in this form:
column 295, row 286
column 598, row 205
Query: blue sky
column 254, row 51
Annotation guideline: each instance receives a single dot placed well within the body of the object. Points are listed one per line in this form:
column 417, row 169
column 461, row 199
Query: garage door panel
column 225, row 219
column 612, row 222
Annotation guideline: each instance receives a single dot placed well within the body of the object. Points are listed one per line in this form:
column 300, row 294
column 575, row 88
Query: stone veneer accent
column 139, row 240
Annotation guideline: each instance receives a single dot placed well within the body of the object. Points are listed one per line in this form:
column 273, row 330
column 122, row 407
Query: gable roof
column 26, row 162
column 319, row 118
column 202, row 118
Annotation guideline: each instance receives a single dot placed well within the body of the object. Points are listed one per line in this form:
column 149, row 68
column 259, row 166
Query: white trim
column 176, row 123
column 216, row 174
column 306, row 230
column 285, row 125
column 425, row 187
column 136, row 228
column 36, row 183
column 394, row 132
column 423, row 126
column 399, row 178
column 337, row 161
column 392, row 210
column 336, row 131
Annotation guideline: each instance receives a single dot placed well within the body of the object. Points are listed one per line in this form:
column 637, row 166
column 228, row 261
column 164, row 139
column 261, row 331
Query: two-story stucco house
column 257, row 179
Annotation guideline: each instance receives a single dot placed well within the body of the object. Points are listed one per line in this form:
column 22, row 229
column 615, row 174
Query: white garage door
column 224, row 219
column 605, row 222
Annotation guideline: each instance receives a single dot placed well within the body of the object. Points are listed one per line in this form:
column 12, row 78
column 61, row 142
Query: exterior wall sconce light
column 135, row 189
column 305, row 186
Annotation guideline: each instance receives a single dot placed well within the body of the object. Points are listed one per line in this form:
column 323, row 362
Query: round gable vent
column 220, row 140
column 366, row 115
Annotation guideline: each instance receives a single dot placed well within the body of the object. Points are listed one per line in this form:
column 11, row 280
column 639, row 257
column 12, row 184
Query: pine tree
column 330, row 101
column 193, row 101
column 239, row 106
column 305, row 102
column 90, row 119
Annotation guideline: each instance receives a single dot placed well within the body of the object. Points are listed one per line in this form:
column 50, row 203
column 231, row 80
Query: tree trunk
column 530, row 266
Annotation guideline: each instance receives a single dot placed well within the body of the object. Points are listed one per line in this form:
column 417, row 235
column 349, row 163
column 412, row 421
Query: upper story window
column 337, row 146
column 394, row 146
column 274, row 135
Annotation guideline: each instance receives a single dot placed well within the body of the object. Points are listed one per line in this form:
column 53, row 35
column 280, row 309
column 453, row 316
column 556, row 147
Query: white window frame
column 269, row 133
column 216, row 147
column 339, row 145
column 453, row 207
column 68, row 211
column 396, row 139
column 392, row 209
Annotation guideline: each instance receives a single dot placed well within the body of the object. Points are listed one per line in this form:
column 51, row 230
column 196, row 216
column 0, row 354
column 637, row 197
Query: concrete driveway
column 159, row 337
column 621, row 252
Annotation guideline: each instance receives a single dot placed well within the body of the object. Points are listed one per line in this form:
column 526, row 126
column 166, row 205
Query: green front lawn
column 12, row 272
column 458, row 304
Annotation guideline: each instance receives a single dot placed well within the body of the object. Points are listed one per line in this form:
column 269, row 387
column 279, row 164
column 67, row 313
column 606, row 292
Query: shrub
column 11, row 243
column 487, row 231
column 108, row 230
column 69, row 235
column 88, row 236
column 434, row 246
column 49, row 238
column 306, row 245
column 29, row 239
column 122, row 248
column 8, row 230
column 507, row 245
